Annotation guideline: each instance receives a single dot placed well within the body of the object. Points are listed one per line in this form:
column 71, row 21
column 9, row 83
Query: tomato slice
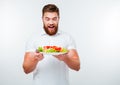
column 57, row 48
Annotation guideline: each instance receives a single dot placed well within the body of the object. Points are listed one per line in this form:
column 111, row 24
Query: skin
column 71, row 59
column 50, row 23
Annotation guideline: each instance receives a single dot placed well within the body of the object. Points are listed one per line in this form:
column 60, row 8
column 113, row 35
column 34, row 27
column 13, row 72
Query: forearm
column 30, row 65
column 30, row 62
column 72, row 63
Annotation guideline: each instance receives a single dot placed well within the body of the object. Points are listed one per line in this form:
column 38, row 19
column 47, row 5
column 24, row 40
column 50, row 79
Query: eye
column 55, row 19
column 47, row 19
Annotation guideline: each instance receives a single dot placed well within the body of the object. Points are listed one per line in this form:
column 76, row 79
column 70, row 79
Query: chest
column 51, row 41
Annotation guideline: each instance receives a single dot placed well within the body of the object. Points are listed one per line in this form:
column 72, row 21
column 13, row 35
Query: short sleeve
column 71, row 43
column 30, row 46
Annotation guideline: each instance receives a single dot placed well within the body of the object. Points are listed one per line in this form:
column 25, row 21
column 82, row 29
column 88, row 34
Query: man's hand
column 38, row 56
column 61, row 57
column 30, row 61
column 71, row 59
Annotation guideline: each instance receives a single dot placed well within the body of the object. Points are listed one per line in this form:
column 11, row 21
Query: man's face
column 50, row 22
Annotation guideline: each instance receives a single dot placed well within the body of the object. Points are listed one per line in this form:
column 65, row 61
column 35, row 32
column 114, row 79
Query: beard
column 51, row 29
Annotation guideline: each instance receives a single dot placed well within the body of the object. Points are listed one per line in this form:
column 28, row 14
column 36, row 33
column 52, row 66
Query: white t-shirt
column 51, row 71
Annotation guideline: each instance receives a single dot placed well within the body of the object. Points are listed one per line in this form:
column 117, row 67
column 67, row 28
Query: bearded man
column 51, row 69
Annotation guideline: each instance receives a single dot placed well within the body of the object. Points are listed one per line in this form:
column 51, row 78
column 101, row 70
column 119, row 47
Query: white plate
column 54, row 53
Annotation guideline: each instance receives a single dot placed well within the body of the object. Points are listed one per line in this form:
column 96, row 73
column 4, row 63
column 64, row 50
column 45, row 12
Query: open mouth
column 51, row 28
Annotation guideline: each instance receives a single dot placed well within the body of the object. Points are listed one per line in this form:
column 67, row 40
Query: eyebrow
column 49, row 17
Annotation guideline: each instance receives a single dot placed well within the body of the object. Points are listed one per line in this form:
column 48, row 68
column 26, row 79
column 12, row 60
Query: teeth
column 51, row 26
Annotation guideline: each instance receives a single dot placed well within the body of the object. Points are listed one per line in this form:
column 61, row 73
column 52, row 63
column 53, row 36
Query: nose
column 51, row 22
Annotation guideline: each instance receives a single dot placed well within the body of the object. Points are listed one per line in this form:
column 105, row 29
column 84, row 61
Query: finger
column 39, row 56
column 37, row 51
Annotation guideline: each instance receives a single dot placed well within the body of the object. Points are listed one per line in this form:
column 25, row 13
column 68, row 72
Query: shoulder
column 33, row 38
column 65, row 34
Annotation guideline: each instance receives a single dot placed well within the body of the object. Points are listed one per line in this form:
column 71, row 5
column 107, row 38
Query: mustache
column 51, row 25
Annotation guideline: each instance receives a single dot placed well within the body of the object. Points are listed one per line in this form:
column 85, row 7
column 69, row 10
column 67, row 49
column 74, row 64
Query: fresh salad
column 52, row 49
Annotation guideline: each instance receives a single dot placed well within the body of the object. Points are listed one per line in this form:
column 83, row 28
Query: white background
column 94, row 24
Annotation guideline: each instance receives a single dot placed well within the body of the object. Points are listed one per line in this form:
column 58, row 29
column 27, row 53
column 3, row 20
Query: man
column 51, row 69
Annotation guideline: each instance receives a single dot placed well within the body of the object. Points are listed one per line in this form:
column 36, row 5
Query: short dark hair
column 50, row 8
